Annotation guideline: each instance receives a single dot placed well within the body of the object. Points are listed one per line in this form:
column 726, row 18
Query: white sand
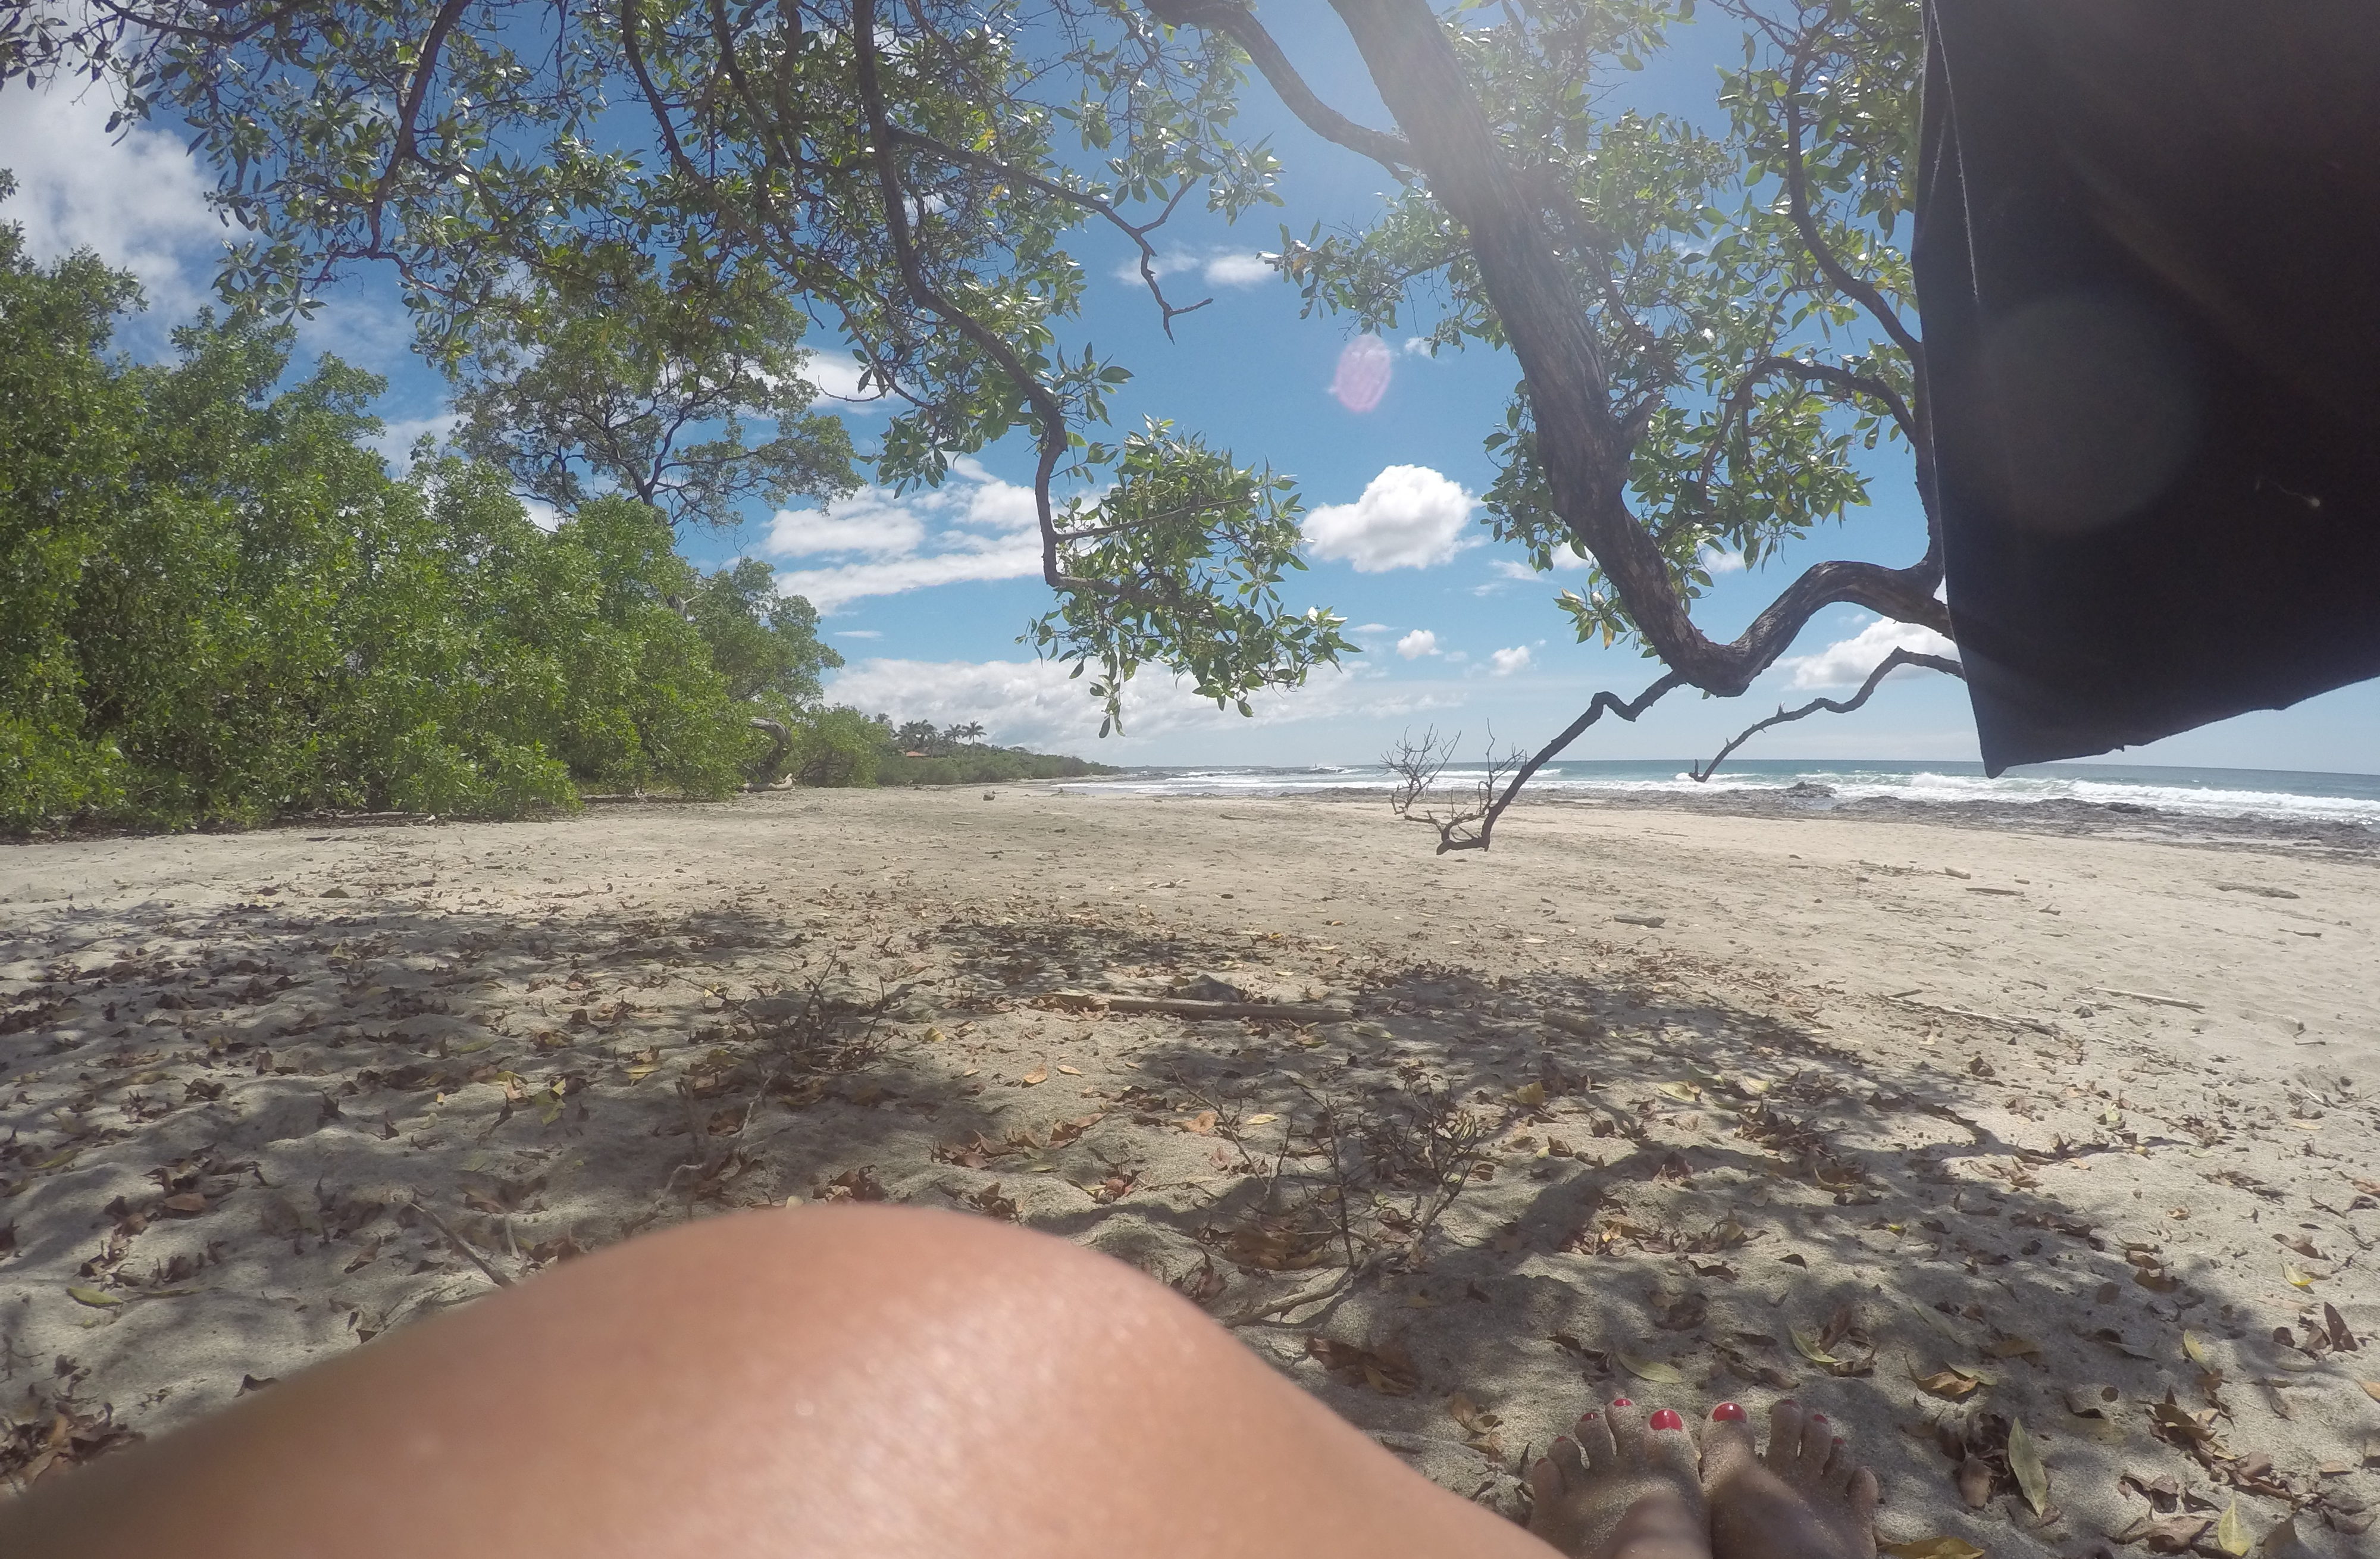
column 1933, row 1083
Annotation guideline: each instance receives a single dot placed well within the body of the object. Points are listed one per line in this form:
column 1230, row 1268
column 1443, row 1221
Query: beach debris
column 1478, row 1426
column 854, row 1185
column 1387, row 1367
column 1657, row 1370
column 2025, row 1462
column 2092, row 1402
column 2151, row 999
column 2230, row 1531
column 989, row 1202
column 1951, row 1384
column 1652, row 922
column 2258, row 889
column 1181, row 1006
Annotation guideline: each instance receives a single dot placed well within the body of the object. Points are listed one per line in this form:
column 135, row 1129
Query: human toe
column 1628, row 1429
column 1726, row 1438
column 1593, row 1432
column 1819, row 1443
column 1785, row 1424
column 1670, row 1447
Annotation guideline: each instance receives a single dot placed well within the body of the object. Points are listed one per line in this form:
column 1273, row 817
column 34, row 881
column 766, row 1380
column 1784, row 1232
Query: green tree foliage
column 645, row 383
column 217, row 606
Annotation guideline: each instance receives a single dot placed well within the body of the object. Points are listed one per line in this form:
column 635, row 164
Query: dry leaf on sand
column 1659, row 1371
column 2025, row 1461
column 1931, row 1548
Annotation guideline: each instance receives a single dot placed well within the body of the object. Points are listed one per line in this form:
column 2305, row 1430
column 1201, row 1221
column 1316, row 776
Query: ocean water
column 2278, row 795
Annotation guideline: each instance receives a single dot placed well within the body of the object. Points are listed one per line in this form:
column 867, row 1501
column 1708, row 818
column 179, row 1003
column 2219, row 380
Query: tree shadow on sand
column 1458, row 1217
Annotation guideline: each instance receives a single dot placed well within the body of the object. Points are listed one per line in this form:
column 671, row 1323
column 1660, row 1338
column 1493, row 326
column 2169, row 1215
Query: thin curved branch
column 409, row 110
column 1045, row 410
column 1241, row 28
column 1884, row 668
column 1137, row 232
column 1797, row 201
column 1848, row 383
column 773, row 153
column 1449, row 836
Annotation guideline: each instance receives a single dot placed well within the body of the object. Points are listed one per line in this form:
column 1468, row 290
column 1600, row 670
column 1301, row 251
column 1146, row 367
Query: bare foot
column 1621, row 1485
column 1806, row 1499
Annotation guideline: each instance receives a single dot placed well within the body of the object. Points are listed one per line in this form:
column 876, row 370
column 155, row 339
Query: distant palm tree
column 964, row 736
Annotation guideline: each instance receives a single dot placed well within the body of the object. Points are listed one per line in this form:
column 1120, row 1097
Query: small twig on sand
column 459, row 1242
column 2144, row 996
column 2034, row 1024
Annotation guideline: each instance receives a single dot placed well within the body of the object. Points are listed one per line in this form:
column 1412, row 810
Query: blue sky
column 926, row 594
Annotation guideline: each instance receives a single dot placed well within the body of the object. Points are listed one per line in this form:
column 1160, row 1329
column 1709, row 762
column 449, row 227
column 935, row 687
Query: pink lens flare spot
column 1667, row 1418
column 1362, row 377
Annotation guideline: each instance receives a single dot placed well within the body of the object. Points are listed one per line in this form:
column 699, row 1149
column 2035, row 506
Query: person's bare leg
column 1622, row 1484
column 1806, row 1499
column 863, row 1381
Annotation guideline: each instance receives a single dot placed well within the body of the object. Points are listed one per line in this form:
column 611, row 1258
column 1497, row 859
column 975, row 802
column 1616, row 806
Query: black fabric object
column 2147, row 260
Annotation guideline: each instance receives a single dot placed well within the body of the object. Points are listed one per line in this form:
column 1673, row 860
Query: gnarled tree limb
column 1884, row 668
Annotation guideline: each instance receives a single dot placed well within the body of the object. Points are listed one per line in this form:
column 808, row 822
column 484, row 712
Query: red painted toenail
column 1729, row 1413
column 1589, row 1416
column 1622, row 1402
column 1817, row 1417
column 1838, row 1439
column 1666, row 1419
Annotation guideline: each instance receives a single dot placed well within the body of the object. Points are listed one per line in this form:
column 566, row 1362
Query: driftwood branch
column 1884, row 668
column 1453, row 834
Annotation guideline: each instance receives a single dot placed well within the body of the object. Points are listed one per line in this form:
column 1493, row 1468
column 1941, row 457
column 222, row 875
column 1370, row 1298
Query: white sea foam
column 2204, row 793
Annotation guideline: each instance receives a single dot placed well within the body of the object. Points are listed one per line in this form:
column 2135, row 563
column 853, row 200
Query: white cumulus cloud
column 1506, row 662
column 1846, row 662
column 1409, row 517
column 974, row 527
column 1417, row 643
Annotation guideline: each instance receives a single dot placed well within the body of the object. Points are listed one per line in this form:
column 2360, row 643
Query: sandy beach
column 1990, row 1135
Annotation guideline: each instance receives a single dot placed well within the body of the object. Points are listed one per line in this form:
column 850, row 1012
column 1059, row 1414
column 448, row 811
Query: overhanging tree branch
column 1137, row 232
column 1884, row 668
column 1241, row 26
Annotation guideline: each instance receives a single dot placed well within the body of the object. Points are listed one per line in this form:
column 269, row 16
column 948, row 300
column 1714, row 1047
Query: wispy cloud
column 1036, row 703
column 1217, row 266
column 1504, row 663
column 976, row 527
